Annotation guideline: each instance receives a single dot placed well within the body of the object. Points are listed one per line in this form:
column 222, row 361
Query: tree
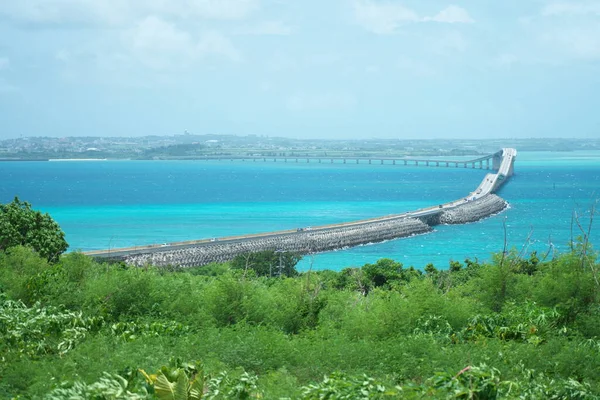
column 383, row 273
column 455, row 266
column 268, row 263
column 20, row 225
column 430, row 269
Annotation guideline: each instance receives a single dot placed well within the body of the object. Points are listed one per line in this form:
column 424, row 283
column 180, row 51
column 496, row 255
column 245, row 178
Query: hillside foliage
column 518, row 327
column 21, row 225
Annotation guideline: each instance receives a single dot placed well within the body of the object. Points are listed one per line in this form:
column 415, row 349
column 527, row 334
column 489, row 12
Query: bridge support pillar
column 393, row 162
column 405, row 162
column 511, row 170
column 497, row 161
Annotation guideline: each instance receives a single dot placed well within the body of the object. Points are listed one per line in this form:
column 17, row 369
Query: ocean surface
column 111, row 204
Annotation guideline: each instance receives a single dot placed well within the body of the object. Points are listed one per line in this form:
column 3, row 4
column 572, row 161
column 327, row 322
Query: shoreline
column 77, row 159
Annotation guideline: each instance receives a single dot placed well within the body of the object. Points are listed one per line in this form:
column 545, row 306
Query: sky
column 336, row 69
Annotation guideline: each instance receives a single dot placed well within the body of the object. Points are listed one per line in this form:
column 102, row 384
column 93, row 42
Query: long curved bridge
column 479, row 204
column 490, row 161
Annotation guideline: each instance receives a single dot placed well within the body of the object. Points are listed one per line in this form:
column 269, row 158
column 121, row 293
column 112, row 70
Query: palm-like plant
column 185, row 382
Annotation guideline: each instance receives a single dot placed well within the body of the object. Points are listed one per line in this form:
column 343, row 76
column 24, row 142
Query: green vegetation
column 175, row 151
column 268, row 263
column 518, row 327
column 20, row 225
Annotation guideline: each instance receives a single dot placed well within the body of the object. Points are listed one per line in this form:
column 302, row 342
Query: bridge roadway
column 362, row 160
column 490, row 183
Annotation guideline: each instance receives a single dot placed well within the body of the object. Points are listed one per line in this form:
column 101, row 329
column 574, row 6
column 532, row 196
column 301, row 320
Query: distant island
column 192, row 147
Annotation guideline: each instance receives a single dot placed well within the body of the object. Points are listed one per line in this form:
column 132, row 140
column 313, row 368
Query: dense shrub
column 20, row 225
column 528, row 328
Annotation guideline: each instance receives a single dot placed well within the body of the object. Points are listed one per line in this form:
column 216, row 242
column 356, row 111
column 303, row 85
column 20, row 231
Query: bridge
column 490, row 161
column 478, row 204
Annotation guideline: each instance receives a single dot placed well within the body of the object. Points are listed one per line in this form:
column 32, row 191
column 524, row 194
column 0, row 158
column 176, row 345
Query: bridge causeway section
column 490, row 161
column 479, row 204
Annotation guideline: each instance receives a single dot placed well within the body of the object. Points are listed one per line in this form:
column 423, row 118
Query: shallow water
column 113, row 204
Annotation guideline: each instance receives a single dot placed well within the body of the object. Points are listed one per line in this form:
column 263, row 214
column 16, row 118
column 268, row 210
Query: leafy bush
column 341, row 387
column 20, row 225
column 380, row 325
column 109, row 386
column 36, row 331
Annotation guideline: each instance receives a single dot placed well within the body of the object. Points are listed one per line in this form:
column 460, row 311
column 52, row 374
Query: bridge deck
column 438, row 162
column 488, row 185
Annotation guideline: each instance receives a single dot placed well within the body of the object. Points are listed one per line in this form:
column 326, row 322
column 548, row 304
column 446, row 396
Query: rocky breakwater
column 472, row 211
column 303, row 242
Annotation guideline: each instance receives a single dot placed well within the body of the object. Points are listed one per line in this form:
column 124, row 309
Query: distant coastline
column 77, row 159
column 52, row 159
column 23, row 159
column 204, row 147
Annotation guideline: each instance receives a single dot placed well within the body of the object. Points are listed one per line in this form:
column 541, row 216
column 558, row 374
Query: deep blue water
column 108, row 204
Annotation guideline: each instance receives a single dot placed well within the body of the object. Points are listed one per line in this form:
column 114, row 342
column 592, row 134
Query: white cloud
column 571, row 8
column 452, row 15
column 267, row 28
column 386, row 17
column 581, row 42
column 216, row 43
column 116, row 12
column 565, row 31
column 559, row 33
column 321, row 101
column 65, row 11
column 160, row 45
column 382, row 18
column 156, row 35
column 217, row 9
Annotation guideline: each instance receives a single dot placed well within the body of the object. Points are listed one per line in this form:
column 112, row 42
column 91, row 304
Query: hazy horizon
column 357, row 138
column 343, row 69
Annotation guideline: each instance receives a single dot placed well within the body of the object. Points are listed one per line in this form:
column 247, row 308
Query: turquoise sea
column 111, row 204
